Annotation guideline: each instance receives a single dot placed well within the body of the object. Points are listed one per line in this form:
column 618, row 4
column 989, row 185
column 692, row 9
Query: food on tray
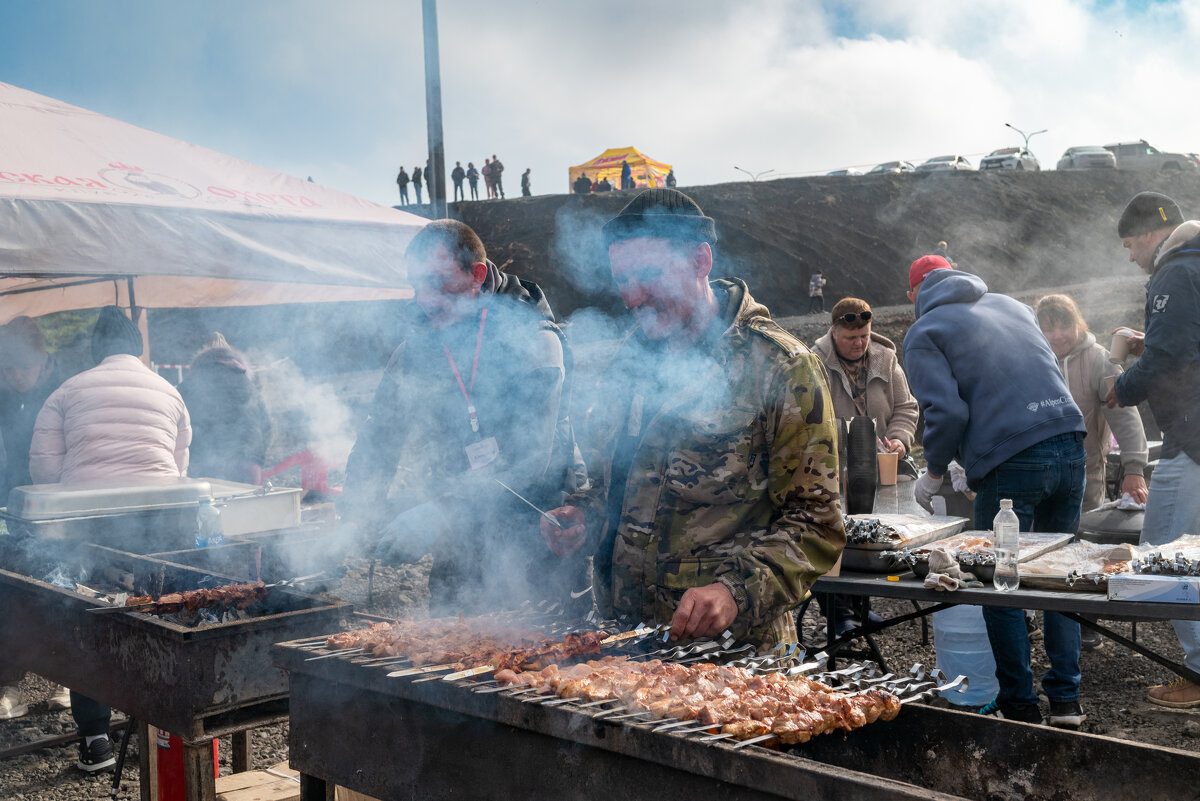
column 237, row 596
column 740, row 703
column 1079, row 558
column 967, row 542
column 466, row 642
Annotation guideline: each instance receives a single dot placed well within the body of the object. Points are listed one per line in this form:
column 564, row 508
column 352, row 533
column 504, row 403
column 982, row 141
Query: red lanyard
column 467, row 390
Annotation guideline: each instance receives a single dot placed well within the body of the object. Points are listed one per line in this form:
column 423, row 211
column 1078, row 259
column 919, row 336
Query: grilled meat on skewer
column 465, row 643
column 735, row 701
column 237, row 596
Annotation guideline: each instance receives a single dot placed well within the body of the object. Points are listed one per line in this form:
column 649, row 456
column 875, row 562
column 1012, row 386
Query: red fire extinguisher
column 170, row 766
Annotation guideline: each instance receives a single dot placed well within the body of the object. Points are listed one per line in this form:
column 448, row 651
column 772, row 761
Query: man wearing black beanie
column 722, row 506
column 1167, row 375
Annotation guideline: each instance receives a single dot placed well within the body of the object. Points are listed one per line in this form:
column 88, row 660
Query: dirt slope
column 1019, row 231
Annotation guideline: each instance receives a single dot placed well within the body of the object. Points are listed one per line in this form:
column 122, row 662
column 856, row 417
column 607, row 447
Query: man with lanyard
column 468, row 403
column 722, row 505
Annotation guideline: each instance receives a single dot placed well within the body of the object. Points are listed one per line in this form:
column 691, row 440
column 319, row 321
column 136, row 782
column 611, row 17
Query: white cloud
column 336, row 89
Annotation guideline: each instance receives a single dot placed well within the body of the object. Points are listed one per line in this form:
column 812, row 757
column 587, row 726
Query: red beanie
column 923, row 267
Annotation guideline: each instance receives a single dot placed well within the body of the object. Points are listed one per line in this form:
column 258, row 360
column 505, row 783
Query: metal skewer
column 537, row 509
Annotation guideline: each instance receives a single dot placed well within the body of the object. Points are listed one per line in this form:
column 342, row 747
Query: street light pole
column 1026, row 136
column 754, row 176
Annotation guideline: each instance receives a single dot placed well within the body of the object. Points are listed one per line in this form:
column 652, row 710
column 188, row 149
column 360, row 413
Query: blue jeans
column 1045, row 483
column 1172, row 510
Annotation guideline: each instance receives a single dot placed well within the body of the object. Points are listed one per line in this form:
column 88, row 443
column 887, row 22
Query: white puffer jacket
column 117, row 420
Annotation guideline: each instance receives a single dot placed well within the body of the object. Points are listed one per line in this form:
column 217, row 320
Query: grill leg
column 240, row 756
column 199, row 783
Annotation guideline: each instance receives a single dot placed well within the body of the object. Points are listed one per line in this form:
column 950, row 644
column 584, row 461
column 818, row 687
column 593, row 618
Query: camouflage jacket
column 732, row 474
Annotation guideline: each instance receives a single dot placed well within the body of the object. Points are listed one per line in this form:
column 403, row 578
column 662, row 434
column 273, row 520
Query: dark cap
column 115, row 333
column 661, row 212
column 1146, row 212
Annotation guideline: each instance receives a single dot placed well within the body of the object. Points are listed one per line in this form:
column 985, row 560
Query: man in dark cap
column 722, row 506
column 1167, row 375
column 994, row 400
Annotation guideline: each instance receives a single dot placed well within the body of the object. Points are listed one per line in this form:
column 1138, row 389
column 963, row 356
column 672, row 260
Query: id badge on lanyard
column 485, row 450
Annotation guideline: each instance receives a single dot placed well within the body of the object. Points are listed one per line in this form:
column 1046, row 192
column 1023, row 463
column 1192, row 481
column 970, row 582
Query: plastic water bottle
column 963, row 649
column 1006, row 533
column 209, row 530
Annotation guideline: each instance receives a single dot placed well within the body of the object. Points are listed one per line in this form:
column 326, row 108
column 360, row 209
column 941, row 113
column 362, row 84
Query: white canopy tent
column 95, row 211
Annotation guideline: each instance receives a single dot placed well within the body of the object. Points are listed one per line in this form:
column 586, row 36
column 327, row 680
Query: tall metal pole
column 435, row 177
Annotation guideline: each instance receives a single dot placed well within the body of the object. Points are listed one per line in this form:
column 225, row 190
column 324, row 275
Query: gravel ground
column 1113, row 693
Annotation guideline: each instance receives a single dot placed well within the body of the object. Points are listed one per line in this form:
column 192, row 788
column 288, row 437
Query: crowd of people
column 492, row 174
column 714, row 502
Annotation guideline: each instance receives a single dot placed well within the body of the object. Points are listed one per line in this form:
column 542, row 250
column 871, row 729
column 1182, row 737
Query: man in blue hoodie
column 1167, row 374
column 994, row 399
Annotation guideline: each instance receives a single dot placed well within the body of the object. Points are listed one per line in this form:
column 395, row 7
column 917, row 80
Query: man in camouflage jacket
column 720, row 503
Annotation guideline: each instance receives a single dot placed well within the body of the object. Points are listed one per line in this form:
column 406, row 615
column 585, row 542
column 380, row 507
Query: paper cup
column 887, row 468
column 1120, row 345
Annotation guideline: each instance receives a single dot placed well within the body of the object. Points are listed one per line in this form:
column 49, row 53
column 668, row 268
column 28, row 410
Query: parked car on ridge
column 1087, row 157
column 891, row 167
column 1010, row 158
column 850, row 171
column 1141, row 155
column 944, row 164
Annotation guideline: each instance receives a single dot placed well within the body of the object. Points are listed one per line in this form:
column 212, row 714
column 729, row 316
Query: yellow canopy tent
column 646, row 171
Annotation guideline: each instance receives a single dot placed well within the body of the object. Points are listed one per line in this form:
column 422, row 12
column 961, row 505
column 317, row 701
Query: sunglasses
column 853, row 317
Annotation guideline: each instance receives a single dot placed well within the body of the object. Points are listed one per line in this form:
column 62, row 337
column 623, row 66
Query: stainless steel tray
column 869, row 558
column 147, row 518
column 60, row 501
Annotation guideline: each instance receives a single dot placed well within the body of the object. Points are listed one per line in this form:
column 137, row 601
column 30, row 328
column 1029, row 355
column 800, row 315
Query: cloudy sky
column 335, row 89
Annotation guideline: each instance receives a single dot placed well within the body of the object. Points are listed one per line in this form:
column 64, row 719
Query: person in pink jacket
column 118, row 420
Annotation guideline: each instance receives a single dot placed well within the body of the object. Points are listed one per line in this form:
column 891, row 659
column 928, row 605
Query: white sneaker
column 60, row 700
column 12, row 704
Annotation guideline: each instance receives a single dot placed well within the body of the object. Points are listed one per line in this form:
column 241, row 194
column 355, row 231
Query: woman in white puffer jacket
column 117, row 420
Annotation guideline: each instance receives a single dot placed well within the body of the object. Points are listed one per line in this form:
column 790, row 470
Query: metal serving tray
column 57, row 501
column 146, row 517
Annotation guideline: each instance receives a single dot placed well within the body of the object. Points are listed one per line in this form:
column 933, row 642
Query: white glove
column 958, row 478
column 924, row 489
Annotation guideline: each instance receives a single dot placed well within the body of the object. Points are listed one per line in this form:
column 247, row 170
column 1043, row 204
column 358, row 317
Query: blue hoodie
column 985, row 377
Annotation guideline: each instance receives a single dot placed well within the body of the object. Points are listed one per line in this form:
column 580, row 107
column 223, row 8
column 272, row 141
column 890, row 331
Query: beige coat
column 117, row 420
column 889, row 400
column 1085, row 369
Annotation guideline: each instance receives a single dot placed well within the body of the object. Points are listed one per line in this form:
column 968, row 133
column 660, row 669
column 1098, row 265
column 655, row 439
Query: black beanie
column 1146, row 212
column 660, row 212
column 115, row 333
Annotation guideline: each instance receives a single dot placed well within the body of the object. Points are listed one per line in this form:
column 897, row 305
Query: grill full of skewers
column 709, row 688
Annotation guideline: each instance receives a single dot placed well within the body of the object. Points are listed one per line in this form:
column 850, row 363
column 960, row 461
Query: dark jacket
column 985, row 377
column 1167, row 374
column 490, row 550
column 457, row 175
column 18, row 412
column 231, row 428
